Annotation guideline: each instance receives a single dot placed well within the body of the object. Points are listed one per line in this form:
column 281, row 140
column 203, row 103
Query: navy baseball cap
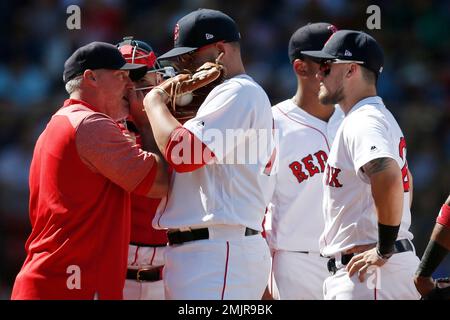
column 310, row 37
column 200, row 28
column 99, row 55
column 351, row 45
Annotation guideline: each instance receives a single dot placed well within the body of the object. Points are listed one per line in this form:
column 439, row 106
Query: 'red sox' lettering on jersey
column 331, row 179
column 306, row 167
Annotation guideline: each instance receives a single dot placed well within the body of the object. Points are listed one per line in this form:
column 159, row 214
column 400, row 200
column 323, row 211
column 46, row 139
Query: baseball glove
column 187, row 91
column 441, row 290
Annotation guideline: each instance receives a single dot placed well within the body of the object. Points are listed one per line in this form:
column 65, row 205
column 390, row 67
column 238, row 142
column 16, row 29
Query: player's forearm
column 437, row 248
column 387, row 192
column 441, row 235
column 434, row 253
column 161, row 120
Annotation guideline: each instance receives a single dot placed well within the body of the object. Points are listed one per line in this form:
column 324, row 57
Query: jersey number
column 402, row 153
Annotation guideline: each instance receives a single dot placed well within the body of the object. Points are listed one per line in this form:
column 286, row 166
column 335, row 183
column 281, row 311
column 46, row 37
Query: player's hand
column 361, row 262
column 424, row 285
column 155, row 96
column 360, row 248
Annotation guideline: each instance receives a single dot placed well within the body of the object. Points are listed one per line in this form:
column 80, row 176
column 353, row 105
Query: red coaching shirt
column 143, row 209
column 82, row 171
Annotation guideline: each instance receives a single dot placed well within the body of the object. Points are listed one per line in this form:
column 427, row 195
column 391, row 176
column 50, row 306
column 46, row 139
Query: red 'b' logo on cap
column 332, row 28
column 176, row 32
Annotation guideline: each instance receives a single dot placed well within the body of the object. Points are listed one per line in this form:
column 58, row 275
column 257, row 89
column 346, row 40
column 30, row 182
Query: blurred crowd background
column 35, row 43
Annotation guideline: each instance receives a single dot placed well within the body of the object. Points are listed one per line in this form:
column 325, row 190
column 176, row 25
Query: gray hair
column 74, row 84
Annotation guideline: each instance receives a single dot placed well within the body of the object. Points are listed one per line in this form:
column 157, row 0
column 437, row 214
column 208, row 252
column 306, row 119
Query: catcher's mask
column 142, row 53
column 139, row 52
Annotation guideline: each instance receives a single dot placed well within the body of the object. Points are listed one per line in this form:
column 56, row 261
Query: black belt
column 150, row 274
column 399, row 246
column 148, row 245
column 178, row 237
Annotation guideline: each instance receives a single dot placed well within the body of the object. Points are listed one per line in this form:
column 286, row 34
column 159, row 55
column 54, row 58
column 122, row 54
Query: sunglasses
column 325, row 66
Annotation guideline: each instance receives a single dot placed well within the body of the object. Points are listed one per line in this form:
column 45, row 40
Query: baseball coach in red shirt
column 81, row 176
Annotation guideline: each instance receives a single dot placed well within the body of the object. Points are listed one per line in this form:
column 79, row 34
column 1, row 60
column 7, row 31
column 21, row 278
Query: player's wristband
column 386, row 240
column 432, row 257
column 444, row 216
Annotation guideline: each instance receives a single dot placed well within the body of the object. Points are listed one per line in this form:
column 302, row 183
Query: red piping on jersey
column 135, row 256
column 226, row 271
column 306, row 125
column 269, row 165
column 153, row 256
column 167, row 197
column 164, row 209
column 263, row 233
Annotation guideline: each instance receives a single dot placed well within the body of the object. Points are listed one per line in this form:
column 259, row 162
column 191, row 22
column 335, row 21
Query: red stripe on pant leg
column 135, row 256
column 153, row 256
column 226, row 270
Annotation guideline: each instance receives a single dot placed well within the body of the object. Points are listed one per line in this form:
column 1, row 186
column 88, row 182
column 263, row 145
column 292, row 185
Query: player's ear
column 89, row 76
column 300, row 67
column 221, row 47
column 351, row 71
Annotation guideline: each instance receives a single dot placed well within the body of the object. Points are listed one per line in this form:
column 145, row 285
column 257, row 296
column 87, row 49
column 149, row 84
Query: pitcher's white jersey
column 236, row 188
column 296, row 206
column 369, row 131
